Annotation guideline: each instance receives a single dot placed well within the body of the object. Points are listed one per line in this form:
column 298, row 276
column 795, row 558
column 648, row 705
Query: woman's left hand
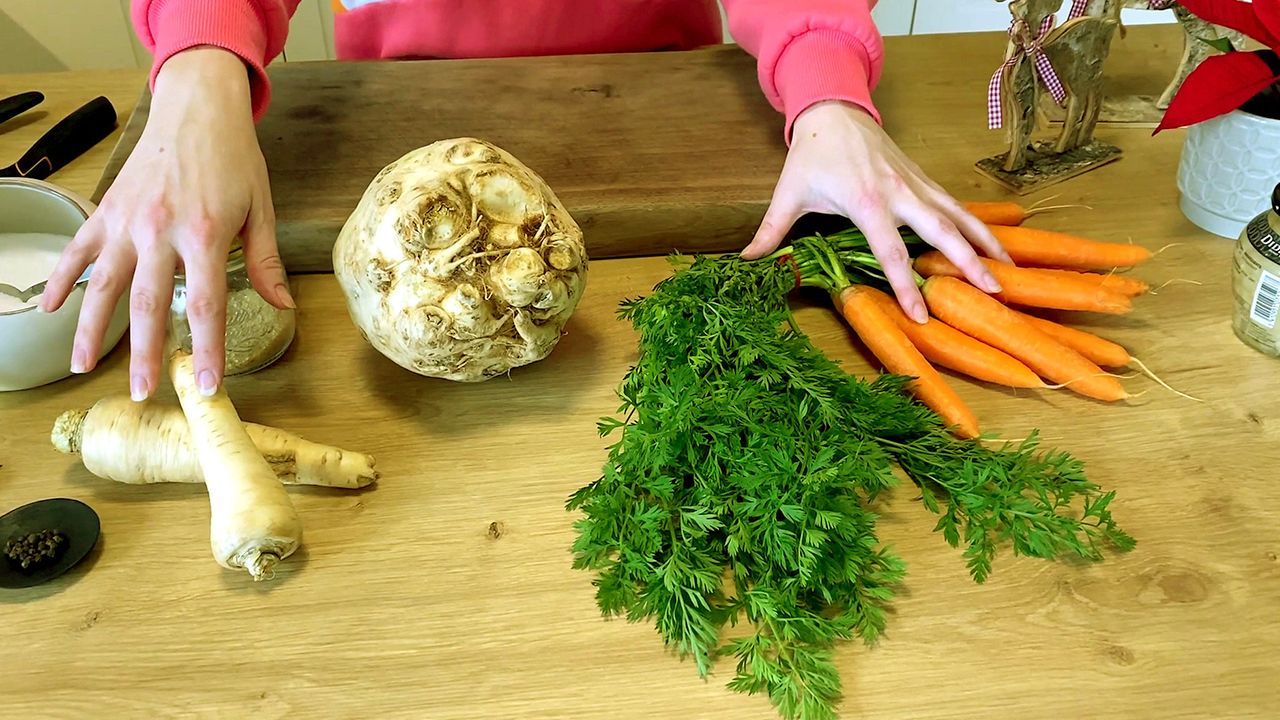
column 841, row 162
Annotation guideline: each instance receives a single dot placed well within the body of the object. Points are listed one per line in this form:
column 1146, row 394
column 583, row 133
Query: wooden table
column 446, row 590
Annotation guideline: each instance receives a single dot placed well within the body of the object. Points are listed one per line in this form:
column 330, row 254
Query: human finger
column 107, row 282
column 887, row 246
column 974, row 230
column 75, row 257
column 149, row 303
column 783, row 211
column 262, row 256
column 206, row 310
column 940, row 232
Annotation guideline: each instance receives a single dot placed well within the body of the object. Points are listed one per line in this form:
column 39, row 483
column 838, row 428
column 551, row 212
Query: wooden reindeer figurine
column 1080, row 46
column 1148, row 109
column 1067, row 62
column 1019, row 90
column 1194, row 48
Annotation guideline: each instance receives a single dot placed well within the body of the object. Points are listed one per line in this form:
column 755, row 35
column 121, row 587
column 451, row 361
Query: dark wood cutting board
column 650, row 152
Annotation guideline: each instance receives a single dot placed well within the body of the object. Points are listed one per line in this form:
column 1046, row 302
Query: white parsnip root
column 142, row 443
column 253, row 524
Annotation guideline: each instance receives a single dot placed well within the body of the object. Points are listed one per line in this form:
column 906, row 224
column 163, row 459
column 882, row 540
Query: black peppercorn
column 35, row 549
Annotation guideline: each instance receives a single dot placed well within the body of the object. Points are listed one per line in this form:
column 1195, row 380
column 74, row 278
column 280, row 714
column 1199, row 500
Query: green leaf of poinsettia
column 1220, row 44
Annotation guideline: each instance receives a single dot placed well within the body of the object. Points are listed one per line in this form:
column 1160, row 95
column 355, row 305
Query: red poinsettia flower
column 1226, row 82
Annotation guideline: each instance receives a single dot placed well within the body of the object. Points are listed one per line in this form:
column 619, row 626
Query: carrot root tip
column 1156, row 291
column 1128, row 376
column 1147, row 371
column 1031, row 211
column 1051, row 198
column 1069, row 383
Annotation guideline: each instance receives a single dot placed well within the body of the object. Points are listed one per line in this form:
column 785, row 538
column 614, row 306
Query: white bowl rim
column 53, row 190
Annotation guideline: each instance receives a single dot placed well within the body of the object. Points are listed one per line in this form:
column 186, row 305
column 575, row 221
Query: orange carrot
column 944, row 345
column 998, row 212
column 1123, row 284
column 894, row 350
column 1046, row 248
column 1099, row 350
column 1008, row 212
column 1033, row 287
column 979, row 315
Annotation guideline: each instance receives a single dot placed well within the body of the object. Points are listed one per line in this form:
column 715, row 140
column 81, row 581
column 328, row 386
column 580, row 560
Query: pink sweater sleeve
column 808, row 51
column 255, row 30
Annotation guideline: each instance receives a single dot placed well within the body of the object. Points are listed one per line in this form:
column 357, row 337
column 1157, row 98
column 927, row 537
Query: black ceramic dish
column 77, row 521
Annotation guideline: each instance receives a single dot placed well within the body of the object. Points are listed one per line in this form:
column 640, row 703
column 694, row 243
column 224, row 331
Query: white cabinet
column 310, row 32
column 893, row 17
column 951, row 16
column 94, row 35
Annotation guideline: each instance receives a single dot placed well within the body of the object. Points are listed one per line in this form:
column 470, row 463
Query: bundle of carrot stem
column 993, row 338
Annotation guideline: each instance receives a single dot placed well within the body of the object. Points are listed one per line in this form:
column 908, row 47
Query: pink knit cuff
column 177, row 25
column 823, row 65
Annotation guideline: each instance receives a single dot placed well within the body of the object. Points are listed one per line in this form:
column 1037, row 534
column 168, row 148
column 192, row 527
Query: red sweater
column 806, row 50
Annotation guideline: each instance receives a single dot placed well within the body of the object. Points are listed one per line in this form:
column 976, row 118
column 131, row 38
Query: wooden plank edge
column 125, row 144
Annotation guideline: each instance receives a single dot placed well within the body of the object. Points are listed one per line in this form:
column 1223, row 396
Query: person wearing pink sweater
column 196, row 178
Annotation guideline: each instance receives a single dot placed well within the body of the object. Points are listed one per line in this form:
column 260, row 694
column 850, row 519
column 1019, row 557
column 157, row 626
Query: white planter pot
column 1229, row 166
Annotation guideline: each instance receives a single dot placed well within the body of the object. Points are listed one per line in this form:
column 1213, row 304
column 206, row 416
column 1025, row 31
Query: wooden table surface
column 446, row 590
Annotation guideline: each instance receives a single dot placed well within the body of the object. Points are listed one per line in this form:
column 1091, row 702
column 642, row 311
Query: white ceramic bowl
column 35, row 347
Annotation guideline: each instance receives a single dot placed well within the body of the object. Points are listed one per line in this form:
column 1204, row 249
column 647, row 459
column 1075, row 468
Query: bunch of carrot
column 993, row 338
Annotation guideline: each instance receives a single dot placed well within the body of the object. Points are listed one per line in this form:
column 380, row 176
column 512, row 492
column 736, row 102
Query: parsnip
column 141, row 443
column 253, row 524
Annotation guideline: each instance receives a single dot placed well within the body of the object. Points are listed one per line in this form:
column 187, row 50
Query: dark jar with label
column 1256, row 281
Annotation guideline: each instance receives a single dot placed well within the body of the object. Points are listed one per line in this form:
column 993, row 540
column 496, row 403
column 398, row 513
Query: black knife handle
column 14, row 106
column 67, row 140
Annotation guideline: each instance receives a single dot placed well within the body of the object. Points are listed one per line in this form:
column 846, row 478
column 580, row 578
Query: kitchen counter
column 445, row 591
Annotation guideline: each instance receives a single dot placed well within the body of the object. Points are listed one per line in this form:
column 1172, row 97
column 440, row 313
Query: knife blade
column 14, row 105
column 66, row 141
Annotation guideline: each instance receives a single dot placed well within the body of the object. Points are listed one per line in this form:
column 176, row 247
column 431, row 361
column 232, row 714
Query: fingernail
column 207, row 385
column 286, row 299
column 78, row 362
column 991, row 283
column 919, row 314
column 138, row 388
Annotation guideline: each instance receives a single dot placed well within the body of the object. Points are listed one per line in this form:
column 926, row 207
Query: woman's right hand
column 195, row 180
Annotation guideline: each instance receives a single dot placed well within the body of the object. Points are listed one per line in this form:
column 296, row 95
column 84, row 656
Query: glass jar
column 257, row 333
column 1256, row 281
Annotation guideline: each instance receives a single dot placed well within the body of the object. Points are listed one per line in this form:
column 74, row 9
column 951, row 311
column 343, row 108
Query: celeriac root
column 141, row 443
column 253, row 524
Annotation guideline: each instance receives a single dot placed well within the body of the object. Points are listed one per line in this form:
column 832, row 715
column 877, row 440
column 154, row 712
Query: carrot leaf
column 743, row 478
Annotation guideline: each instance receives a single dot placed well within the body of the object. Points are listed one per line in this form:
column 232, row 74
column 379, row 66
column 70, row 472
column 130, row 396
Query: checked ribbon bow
column 1025, row 44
